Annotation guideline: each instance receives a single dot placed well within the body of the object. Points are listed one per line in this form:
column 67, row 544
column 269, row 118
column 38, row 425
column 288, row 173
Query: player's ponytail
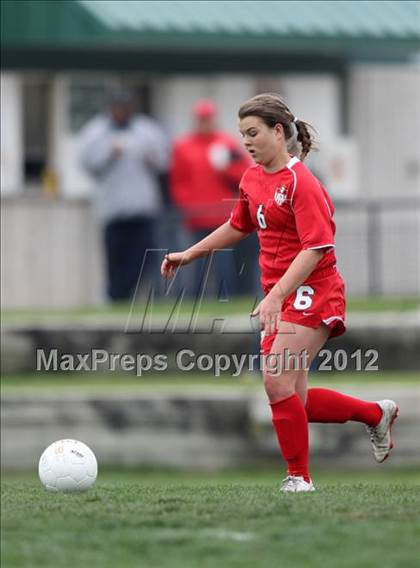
column 271, row 108
column 304, row 137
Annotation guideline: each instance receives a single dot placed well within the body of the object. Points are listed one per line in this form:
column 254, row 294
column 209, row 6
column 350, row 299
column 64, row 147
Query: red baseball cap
column 204, row 108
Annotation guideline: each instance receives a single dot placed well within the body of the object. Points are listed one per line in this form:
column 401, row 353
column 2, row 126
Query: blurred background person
column 206, row 168
column 125, row 153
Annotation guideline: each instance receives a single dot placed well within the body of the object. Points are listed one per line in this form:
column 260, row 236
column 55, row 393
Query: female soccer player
column 304, row 300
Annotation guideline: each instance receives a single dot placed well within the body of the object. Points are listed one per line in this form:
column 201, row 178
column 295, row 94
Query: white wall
column 314, row 98
column 51, row 254
column 11, row 120
column 385, row 121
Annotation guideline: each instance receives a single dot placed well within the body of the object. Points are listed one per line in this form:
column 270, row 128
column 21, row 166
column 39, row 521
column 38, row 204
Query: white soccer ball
column 67, row 465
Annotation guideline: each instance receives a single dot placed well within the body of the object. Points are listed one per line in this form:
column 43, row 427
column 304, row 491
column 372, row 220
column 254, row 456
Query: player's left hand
column 269, row 312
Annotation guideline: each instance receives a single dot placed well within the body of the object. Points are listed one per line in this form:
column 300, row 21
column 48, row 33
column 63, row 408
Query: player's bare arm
column 223, row 237
column 269, row 308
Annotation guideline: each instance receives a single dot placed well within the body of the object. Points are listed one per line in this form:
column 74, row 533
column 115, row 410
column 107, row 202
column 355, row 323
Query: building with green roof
column 350, row 68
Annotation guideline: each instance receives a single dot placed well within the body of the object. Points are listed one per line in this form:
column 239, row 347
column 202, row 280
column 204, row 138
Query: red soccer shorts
column 320, row 300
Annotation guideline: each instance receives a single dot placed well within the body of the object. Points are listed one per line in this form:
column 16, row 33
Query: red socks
column 291, row 426
column 290, row 421
column 324, row 405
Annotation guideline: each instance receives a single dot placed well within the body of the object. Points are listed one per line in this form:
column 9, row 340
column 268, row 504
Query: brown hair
column 271, row 108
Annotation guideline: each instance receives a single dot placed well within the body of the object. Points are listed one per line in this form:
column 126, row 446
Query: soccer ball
column 67, row 465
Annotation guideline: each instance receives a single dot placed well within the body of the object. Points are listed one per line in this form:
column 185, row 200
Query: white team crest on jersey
column 280, row 195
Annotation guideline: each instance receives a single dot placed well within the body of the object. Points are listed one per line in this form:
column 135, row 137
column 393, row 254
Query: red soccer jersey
column 291, row 211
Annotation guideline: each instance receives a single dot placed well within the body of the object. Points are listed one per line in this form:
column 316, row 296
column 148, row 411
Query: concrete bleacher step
column 195, row 430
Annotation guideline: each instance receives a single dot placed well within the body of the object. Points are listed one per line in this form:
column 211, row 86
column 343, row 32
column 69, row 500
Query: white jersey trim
column 292, row 162
column 320, row 247
column 328, row 207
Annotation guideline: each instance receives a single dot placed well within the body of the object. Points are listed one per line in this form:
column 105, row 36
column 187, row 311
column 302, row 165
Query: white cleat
column 295, row 484
column 380, row 435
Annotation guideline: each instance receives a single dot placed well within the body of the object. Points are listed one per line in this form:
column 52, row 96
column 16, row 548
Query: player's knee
column 279, row 386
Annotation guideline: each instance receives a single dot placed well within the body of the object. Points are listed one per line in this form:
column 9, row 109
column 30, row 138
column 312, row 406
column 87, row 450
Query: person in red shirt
column 206, row 168
column 304, row 302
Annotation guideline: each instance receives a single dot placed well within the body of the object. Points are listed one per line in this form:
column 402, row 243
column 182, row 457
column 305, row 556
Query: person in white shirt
column 125, row 153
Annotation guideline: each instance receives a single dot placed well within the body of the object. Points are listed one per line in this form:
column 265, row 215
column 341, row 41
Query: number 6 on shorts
column 303, row 299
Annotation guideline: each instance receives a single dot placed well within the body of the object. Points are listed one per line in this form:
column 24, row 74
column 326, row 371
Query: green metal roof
column 165, row 36
column 284, row 19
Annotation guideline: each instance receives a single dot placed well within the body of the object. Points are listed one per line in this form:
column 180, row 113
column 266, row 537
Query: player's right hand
column 171, row 262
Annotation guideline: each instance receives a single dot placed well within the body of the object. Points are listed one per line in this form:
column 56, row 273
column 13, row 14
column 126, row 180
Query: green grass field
column 154, row 382
column 229, row 520
column 235, row 306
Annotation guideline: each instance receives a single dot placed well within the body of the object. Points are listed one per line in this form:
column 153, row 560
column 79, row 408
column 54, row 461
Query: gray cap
column 121, row 97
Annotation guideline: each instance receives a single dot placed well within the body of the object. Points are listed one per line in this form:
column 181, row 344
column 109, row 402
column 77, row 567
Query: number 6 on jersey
column 260, row 217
